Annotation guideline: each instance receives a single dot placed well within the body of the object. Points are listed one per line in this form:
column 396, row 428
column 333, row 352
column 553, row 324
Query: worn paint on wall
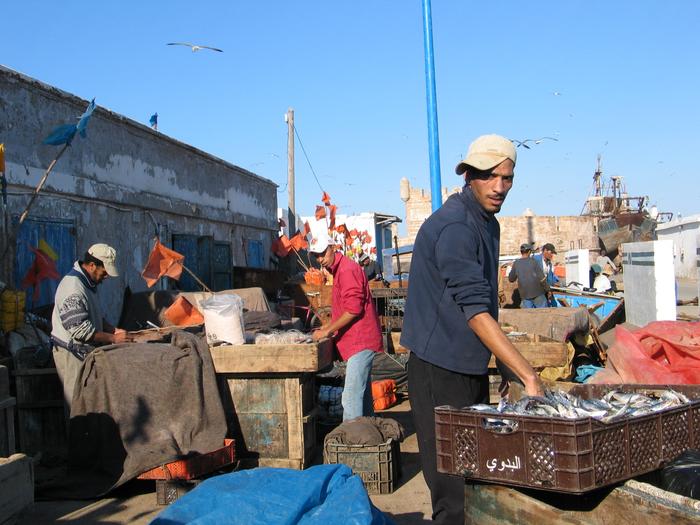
column 125, row 183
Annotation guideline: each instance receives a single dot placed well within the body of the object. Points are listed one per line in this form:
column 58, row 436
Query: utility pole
column 431, row 102
column 291, row 217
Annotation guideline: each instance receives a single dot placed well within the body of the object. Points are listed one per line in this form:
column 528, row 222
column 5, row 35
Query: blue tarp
column 320, row 495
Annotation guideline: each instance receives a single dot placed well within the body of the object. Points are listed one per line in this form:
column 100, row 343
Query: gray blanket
column 137, row 406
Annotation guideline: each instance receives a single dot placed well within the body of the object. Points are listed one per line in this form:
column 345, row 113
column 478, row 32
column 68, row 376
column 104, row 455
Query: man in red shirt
column 354, row 326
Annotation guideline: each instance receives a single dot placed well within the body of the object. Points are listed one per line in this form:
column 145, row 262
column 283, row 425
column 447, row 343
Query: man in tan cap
column 450, row 320
column 77, row 323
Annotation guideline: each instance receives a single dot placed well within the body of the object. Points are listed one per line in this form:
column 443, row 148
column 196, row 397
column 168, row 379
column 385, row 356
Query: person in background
column 77, row 323
column 601, row 283
column 370, row 267
column 354, row 326
column 451, row 315
column 545, row 258
column 532, row 283
column 604, row 261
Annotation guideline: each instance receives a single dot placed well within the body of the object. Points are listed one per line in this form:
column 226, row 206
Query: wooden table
column 268, row 392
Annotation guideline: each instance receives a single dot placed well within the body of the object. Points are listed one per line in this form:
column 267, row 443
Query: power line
column 307, row 158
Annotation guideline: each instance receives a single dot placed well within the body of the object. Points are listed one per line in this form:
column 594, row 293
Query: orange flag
column 182, row 313
column 326, row 199
column 320, row 212
column 332, row 208
column 162, row 261
column 299, row 242
column 281, row 246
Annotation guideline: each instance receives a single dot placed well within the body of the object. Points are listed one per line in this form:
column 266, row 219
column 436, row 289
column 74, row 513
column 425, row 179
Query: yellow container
column 12, row 309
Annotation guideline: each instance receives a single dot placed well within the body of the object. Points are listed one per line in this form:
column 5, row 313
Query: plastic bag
column 282, row 337
column 682, row 475
column 223, row 319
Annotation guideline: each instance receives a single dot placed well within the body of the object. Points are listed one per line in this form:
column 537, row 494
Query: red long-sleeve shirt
column 351, row 294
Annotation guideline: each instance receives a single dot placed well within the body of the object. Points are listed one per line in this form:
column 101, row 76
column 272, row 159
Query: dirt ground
column 135, row 503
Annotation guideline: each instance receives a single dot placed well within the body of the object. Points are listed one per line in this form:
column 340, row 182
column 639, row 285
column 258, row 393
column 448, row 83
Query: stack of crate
column 7, row 415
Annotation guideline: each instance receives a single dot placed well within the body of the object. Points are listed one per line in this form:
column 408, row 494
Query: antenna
column 597, row 176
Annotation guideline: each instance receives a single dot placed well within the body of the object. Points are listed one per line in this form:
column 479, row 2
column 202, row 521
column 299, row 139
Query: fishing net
column 682, row 475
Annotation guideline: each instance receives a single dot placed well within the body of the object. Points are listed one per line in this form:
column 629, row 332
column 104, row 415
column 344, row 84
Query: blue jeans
column 537, row 302
column 357, row 392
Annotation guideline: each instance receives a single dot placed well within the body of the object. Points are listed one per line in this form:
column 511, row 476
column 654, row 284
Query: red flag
column 299, row 242
column 367, row 239
column 332, row 208
column 354, row 233
column 182, row 313
column 162, row 261
column 342, row 229
column 307, row 228
column 320, row 212
column 326, row 199
column 43, row 267
column 281, row 246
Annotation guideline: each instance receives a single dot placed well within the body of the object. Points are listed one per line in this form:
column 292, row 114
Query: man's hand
column 321, row 333
column 534, row 386
column 120, row 336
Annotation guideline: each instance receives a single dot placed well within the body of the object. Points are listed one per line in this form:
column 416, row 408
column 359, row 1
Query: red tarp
column 662, row 352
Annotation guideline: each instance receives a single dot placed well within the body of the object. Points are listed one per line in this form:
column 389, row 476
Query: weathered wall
column 566, row 233
column 125, row 181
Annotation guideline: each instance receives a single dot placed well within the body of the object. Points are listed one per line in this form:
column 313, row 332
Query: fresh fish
column 613, row 406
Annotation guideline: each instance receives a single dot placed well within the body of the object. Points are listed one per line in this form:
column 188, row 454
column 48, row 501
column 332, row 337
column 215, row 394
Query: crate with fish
column 566, row 443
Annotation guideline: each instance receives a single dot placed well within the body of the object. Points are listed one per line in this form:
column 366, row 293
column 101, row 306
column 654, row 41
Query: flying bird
column 194, row 47
column 523, row 143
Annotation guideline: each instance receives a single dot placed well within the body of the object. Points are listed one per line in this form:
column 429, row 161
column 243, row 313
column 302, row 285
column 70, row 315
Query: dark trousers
column 430, row 386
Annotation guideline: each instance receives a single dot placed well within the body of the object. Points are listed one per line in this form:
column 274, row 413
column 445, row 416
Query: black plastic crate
column 378, row 466
column 563, row 455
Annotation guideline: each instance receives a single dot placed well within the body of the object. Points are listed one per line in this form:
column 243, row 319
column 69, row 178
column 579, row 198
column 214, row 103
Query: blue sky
column 626, row 73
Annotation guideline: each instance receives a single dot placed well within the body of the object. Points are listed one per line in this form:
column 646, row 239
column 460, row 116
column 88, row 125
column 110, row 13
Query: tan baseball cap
column 320, row 243
column 487, row 152
column 107, row 255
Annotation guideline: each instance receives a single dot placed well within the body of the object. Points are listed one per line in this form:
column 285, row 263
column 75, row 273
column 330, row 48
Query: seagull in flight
column 194, row 47
column 523, row 143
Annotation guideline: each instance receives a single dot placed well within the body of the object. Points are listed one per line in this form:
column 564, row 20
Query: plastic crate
column 563, row 455
column 194, row 466
column 378, row 466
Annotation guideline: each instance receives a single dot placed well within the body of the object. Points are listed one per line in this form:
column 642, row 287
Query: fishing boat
column 606, row 309
column 621, row 218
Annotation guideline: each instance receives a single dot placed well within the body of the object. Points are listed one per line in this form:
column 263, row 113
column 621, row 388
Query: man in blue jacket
column 450, row 321
column 545, row 260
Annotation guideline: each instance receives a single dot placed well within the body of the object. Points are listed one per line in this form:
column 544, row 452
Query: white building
column 683, row 231
column 377, row 225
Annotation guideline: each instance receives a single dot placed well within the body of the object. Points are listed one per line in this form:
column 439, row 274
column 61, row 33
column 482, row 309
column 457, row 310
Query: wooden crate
column 16, row 488
column 539, row 351
column 41, row 419
column 7, row 427
column 271, row 417
column 633, row 502
column 284, row 359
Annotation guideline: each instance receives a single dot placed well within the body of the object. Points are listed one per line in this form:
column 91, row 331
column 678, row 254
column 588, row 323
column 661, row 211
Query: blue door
column 198, row 259
column 255, row 254
column 60, row 236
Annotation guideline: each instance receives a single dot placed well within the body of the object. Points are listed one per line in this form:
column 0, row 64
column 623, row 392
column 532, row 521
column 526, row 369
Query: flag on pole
column 182, row 313
column 153, row 121
column 162, row 262
column 299, row 242
column 65, row 133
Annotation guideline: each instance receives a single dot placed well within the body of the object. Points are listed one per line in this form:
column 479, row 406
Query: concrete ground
column 135, row 503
